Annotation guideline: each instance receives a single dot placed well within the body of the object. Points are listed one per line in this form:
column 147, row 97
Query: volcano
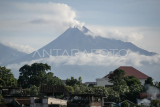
column 77, row 40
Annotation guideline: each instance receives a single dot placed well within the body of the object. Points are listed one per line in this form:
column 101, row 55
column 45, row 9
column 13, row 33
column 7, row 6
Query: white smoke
column 152, row 94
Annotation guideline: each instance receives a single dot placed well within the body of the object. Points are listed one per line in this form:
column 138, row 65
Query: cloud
column 126, row 34
column 95, row 65
column 96, row 59
column 55, row 14
column 26, row 49
column 143, row 37
column 36, row 23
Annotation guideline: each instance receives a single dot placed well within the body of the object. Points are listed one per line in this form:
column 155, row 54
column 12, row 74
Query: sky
column 135, row 21
column 27, row 25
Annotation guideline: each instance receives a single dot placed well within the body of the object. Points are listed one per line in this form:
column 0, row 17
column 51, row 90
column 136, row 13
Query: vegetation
column 36, row 75
column 2, row 102
column 132, row 80
column 32, row 76
column 69, row 89
column 125, row 104
column 117, row 77
column 155, row 103
column 73, row 81
column 7, row 78
column 149, row 81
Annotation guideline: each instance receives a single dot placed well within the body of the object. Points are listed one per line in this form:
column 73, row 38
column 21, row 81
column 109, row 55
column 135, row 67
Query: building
column 129, row 71
column 8, row 91
column 53, row 90
column 47, row 102
column 88, row 83
column 85, row 100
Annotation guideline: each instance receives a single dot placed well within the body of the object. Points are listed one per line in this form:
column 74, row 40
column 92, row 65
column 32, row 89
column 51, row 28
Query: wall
column 43, row 104
column 56, row 101
column 103, row 82
column 142, row 81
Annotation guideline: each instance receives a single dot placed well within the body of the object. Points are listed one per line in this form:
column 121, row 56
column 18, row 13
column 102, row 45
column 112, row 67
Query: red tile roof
column 131, row 71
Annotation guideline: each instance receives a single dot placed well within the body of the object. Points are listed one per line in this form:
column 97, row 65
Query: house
column 47, row 102
column 85, row 100
column 88, row 83
column 21, row 102
column 53, row 90
column 64, row 81
column 8, row 91
column 129, row 71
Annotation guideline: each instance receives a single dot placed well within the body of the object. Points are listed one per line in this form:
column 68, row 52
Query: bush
column 69, row 89
column 155, row 103
column 125, row 104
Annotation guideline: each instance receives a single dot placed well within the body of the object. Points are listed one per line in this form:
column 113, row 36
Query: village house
column 9, row 91
column 53, row 90
column 129, row 71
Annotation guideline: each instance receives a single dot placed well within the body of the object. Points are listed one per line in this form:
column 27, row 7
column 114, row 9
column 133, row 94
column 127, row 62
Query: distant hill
column 8, row 54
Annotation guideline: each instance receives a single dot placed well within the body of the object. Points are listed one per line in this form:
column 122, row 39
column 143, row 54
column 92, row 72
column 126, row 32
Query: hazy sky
column 32, row 24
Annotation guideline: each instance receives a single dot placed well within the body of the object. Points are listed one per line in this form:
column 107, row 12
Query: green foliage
column 117, row 77
column 33, row 75
column 91, row 85
column 33, row 90
column 2, row 102
column 100, row 90
column 69, row 89
column 53, row 80
column 125, row 104
column 1, row 97
column 134, row 92
column 36, row 75
column 28, row 91
column 132, row 80
column 40, row 95
column 73, row 81
column 149, row 81
column 155, row 103
column 136, row 89
column 80, row 89
column 7, row 78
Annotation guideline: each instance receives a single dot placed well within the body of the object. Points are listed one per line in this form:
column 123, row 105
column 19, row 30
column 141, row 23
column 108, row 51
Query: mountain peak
column 83, row 29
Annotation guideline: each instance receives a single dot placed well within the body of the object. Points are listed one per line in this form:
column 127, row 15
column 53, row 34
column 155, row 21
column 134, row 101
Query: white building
column 129, row 71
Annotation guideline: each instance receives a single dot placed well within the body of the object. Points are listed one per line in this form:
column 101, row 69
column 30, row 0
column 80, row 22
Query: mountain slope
column 73, row 38
column 8, row 54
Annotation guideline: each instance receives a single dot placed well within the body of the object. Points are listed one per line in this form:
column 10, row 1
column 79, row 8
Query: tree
column 73, row 81
column 6, row 77
column 53, row 80
column 149, row 81
column 134, row 92
column 155, row 103
column 132, row 80
column 33, row 75
column 90, row 85
column 125, row 104
column 69, row 89
column 117, row 77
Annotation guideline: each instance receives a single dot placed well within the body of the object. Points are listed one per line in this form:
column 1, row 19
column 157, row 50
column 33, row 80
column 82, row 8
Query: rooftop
column 131, row 71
